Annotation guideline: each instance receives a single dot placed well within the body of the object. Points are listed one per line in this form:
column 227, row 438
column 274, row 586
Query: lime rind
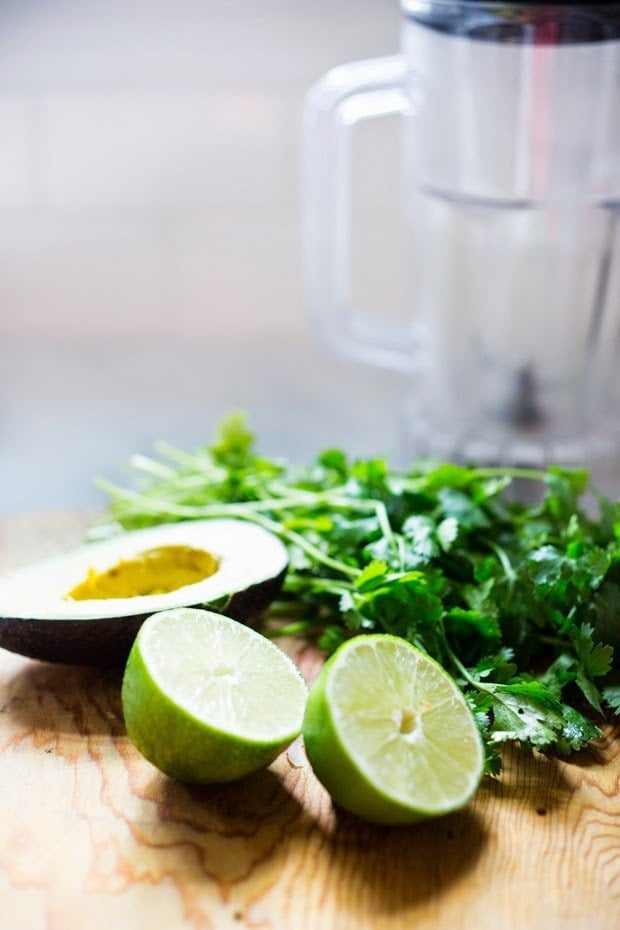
column 376, row 761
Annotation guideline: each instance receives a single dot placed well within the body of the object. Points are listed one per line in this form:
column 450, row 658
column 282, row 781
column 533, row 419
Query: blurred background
column 150, row 256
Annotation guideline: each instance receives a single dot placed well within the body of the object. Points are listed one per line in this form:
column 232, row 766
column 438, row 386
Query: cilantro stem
column 152, row 467
column 289, row 629
column 290, row 536
column 505, row 562
column 248, row 510
column 285, row 608
column 156, row 506
column 554, row 641
column 295, row 581
column 377, row 507
column 529, row 474
column 474, row 682
column 146, row 503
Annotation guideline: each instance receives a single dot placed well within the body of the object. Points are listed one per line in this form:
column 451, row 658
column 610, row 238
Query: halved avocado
column 48, row 611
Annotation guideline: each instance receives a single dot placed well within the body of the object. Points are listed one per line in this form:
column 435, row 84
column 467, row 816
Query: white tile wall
column 150, row 234
column 246, row 278
column 163, row 152
column 188, row 41
column 80, row 279
column 16, row 151
column 149, row 159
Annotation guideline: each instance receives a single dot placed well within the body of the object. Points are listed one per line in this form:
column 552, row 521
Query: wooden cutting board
column 91, row 835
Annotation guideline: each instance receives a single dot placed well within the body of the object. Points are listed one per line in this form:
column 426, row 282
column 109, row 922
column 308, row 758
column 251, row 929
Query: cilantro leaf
column 447, row 532
column 480, row 705
column 546, row 567
column 603, row 612
column 371, row 576
column 484, row 624
column 527, row 712
column 576, row 732
column 595, row 658
column 461, row 508
column 611, row 696
column 420, row 534
column 594, row 662
column 234, row 443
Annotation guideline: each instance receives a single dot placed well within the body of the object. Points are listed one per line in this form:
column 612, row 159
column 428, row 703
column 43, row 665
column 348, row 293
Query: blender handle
column 343, row 97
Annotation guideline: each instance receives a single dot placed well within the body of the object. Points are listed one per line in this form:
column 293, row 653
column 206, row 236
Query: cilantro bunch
column 515, row 593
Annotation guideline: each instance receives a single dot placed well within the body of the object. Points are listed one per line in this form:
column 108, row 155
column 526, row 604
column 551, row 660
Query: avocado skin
column 106, row 642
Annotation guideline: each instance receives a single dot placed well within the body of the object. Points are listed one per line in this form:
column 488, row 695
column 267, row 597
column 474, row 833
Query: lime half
column 389, row 734
column 207, row 699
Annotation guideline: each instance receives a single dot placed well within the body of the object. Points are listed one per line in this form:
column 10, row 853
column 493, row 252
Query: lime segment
column 207, row 699
column 389, row 733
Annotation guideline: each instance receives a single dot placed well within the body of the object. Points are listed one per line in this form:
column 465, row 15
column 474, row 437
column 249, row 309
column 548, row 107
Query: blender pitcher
column 511, row 190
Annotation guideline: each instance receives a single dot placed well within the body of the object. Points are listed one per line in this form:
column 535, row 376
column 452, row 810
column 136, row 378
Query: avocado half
column 38, row 617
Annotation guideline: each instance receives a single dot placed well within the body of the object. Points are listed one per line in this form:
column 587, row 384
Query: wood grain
column 87, row 826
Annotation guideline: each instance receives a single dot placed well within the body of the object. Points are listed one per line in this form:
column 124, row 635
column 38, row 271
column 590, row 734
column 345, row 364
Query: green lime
column 389, row 734
column 207, row 699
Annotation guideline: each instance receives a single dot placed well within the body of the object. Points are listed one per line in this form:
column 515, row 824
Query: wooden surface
column 92, row 835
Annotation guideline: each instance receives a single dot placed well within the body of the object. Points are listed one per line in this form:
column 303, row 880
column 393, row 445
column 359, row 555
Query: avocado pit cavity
column 156, row 571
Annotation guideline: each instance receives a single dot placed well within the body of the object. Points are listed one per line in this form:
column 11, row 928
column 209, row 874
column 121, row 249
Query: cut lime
column 207, row 699
column 389, row 734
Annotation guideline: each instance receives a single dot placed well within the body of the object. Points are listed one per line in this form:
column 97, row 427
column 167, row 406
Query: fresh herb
column 518, row 600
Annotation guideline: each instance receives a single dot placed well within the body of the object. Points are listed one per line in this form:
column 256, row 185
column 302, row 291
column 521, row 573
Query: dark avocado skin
column 106, row 642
